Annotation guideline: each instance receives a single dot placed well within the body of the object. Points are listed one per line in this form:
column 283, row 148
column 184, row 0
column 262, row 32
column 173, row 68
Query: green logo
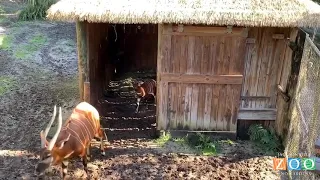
column 308, row 164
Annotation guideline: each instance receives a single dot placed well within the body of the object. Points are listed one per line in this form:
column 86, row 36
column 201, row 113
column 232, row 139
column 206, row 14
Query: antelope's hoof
column 103, row 153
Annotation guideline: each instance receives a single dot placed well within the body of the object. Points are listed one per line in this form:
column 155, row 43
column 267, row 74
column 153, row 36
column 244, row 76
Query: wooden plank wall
column 139, row 42
column 199, row 78
column 98, row 75
column 266, row 66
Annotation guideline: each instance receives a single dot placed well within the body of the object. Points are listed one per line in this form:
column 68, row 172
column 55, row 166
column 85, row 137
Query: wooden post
column 288, row 107
column 82, row 56
column 86, row 92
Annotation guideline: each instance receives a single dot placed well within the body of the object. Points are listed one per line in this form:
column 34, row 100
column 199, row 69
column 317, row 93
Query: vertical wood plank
column 190, row 59
column 182, row 87
column 213, row 53
column 188, row 106
column 194, row 105
column 207, row 108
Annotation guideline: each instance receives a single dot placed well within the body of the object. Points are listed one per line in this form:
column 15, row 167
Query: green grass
column 33, row 45
column 6, row 84
column 163, row 139
column 6, row 41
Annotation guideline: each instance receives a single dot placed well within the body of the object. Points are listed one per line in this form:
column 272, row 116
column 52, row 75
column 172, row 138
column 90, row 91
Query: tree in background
column 36, row 9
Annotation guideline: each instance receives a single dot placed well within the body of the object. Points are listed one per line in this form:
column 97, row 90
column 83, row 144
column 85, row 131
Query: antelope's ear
column 63, row 142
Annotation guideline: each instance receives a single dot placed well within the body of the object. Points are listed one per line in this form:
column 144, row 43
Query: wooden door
column 200, row 72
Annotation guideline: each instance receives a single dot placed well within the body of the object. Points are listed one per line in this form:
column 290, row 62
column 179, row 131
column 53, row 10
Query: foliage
column 198, row 141
column 36, row 9
column 202, row 143
column 161, row 141
column 266, row 139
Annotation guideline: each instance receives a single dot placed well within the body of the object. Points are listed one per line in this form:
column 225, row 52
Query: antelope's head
column 137, row 87
column 47, row 147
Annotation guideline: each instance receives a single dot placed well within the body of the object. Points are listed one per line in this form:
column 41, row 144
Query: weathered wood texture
column 98, row 64
column 199, row 77
column 267, row 67
column 139, row 43
column 287, row 82
column 266, row 56
column 81, row 29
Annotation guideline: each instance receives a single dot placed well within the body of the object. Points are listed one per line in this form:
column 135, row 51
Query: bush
column 36, row 9
column 266, row 139
column 202, row 143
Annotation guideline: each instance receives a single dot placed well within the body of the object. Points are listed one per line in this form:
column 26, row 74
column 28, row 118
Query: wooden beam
column 258, row 109
column 254, row 97
column 283, row 94
column 82, row 55
column 277, row 36
column 257, row 114
column 205, row 79
column 250, row 40
column 203, row 30
column 86, row 91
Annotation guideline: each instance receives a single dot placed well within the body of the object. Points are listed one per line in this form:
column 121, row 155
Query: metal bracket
column 229, row 29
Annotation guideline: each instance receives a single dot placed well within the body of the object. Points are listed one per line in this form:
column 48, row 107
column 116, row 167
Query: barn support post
column 284, row 109
column 86, row 92
column 82, row 56
column 158, row 80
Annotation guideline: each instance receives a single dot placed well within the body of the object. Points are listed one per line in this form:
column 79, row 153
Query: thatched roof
column 278, row 13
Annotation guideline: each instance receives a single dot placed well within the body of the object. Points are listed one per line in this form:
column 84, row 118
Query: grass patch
column 33, row 45
column 163, row 139
column 6, row 84
column 199, row 142
column 265, row 139
column 6, row 41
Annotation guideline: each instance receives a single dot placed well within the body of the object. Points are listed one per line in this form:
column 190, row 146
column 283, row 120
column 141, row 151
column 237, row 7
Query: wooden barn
column 219, row 65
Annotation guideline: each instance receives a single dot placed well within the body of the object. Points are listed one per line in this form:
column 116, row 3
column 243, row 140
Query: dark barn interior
column 130, row 53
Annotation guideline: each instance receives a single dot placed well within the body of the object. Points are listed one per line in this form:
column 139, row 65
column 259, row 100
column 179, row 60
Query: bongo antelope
column 70, row 140
column 143, row 89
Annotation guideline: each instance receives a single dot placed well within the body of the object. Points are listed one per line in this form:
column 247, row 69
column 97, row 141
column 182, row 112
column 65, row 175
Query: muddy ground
column 38, row 68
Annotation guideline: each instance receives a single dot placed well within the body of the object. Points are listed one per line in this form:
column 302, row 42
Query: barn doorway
column 131, row 52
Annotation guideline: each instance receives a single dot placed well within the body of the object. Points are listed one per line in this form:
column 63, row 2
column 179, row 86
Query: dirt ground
column 38, row 68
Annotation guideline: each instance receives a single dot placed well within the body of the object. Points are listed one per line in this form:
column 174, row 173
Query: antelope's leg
column 89, row 152
column 138, row 103
column 102, row 135
column 85, row 162
column 64, row 166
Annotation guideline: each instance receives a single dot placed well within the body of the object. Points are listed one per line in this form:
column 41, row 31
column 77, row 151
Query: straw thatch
column 277, row 13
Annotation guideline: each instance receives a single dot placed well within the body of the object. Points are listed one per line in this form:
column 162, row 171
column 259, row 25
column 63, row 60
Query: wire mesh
column 305, row 116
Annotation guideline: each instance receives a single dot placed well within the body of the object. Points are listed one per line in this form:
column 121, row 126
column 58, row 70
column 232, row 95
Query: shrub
column 36, row 9
column 266, row 139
